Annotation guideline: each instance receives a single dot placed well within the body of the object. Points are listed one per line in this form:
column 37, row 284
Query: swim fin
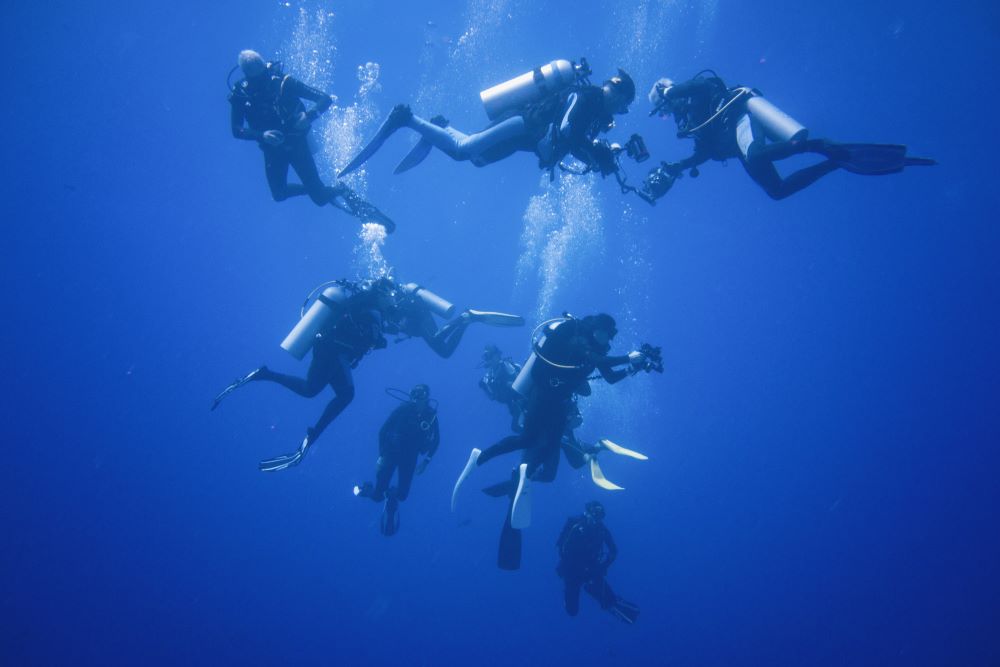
column 520, row 510
column 873, row 159
column 622, row 451
column 286, row 460
column 495, row 319
column 625, row 610
column 470, row 465
column 389, row 522
column 509, row 552
column 362, row 209
column 600, row 480
column 236, row 385
column 398, row 117
column 419, row 152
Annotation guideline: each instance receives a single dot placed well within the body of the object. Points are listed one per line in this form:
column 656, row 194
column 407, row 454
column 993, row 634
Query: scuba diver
column 411, row 430
column 586, row 551
column 413, row 317
column 497, row 384
column 267, row 108
column 558, row 368
column 552, row 112
column 740, row 123
column 343, row 325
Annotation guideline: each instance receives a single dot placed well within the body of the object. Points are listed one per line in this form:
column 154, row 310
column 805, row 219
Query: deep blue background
column 821, row 488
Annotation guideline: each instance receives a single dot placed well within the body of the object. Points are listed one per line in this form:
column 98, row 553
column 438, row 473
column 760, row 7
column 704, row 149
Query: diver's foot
column 832, row 150
column 470, row 465
column 400, row 116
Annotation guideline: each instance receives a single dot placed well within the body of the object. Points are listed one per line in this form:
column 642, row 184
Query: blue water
column 821, row 487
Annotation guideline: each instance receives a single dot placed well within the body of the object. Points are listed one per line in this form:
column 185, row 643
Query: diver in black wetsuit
column 575, row 348
column 267, row 108
column 497, row 383
column 411, row 430
column 353, row 333
column 565, row 123
column 559, row 371
column 737, row 123
column 586, row 551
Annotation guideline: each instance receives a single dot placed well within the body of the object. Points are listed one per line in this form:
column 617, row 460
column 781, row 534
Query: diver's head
column 491, row 354
column 252, row 64
column 601, row 328
column 594, row 512
column 420, row 394
column 619, row 92
column 660, row 90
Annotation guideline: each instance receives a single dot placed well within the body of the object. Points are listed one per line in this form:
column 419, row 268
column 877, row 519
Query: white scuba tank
column 529, row 87
column 437, row 305
column 301, row 338
column 778, row 125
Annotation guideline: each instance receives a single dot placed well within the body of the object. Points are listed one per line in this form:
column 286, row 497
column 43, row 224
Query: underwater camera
column 657, row 183
column 636, row 149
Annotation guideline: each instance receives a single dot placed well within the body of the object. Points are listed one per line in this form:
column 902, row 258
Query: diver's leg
column 343, row 385
column 407, row 466
column 758, row 159
column 308, row 387
column 572, row 595
column 599, row 589
column 511, row 443
column 764, row 173
column 460, row 146
column 276, row 165
column 304, row 165
column 383, row 476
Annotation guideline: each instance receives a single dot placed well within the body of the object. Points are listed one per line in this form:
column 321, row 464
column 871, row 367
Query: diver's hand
column 422, row 466
column 273, row 137
column 301, row 122
column 637, row 360
column 673, row 168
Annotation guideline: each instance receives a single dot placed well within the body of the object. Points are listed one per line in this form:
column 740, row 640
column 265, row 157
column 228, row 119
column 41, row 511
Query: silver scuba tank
column 524, row 383
column 529, row 87
column 301, row 338
column 778, row 126
column 436, row 304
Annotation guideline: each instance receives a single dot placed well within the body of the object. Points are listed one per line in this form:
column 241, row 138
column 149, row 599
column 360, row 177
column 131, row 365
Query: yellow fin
column 600, row 480
column 622, row 451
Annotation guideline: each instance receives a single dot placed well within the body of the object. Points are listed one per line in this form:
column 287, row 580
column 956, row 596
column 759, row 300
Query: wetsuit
column 408, row 432
column 339, row 349
column 553, row 128
column 735, row 134
column 273, row 102
column 586, row 550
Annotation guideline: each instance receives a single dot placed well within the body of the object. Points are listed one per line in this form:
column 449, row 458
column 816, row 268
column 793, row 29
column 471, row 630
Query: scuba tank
column 778, row 126
column 322, row 311
column 524, row 383
column 532, row 86
column 436, row 304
